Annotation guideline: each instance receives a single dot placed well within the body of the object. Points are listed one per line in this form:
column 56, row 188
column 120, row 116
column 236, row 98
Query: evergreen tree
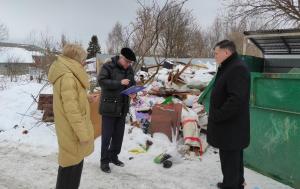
column 93, row 48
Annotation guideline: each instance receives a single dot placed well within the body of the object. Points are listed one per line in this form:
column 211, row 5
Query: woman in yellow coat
column 73, row 125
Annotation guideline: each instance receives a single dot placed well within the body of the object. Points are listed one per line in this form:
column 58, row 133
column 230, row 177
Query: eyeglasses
column 126, row 60
column 129, row 62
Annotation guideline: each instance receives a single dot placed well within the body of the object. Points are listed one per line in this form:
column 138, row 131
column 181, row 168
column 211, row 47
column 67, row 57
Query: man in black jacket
column 114, row 77
column 229, row 120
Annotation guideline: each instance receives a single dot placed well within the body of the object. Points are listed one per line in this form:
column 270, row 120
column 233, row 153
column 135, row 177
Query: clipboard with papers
column 133, row 89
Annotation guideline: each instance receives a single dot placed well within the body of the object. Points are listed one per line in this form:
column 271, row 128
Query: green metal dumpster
column 275, row 121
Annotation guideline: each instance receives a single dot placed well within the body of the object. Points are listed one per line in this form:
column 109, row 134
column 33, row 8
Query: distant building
column 18, row 58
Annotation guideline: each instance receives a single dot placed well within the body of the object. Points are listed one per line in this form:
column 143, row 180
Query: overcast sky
column 80, row 19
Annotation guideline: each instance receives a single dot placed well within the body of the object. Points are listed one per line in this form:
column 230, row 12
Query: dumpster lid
column 276, row 42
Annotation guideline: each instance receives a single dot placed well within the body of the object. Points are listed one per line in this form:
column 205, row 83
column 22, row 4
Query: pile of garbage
column 169, row 105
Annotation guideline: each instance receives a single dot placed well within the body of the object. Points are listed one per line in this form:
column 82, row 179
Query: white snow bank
column 19, row 114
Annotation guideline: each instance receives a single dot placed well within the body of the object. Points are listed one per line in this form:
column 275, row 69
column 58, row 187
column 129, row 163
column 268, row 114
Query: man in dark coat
column 115, row 76
column 229, row 120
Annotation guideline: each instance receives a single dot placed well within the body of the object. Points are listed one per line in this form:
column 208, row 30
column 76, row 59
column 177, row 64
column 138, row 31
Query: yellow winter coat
column 71, row 111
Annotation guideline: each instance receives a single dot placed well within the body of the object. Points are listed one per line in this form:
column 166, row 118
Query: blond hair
column 75, row 52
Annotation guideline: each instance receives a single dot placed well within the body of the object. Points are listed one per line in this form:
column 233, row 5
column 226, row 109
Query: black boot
column 105, row 168
column 117, row 162
column 220, row 185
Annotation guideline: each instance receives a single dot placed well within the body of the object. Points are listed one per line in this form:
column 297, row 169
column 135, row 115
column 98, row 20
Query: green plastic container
column 275, row 124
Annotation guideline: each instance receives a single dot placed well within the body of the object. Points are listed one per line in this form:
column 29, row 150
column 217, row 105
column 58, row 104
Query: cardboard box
column 95, row 116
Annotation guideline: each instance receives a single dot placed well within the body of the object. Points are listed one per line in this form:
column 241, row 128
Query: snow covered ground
column 28, row 161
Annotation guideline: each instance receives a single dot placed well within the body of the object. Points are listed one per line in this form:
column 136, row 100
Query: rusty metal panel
column 165, row 119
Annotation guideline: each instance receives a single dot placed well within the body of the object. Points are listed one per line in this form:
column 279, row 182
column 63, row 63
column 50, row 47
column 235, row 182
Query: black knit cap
column 128, row 54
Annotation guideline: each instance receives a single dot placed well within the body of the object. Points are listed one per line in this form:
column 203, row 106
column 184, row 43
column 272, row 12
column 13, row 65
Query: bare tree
column 13, row 69
column 160, row 30
column 3, row 32
column 3, row 83
column 148, row 29
column 212, row 35
column 143, row 31
column 141, row 35
column 224, row 28
column 116, row 39
column 276, row 13
column 196, row 43
column 165, row 30
column 168, row 27
column 47, row 55
column 63, row 41
column 178, row 31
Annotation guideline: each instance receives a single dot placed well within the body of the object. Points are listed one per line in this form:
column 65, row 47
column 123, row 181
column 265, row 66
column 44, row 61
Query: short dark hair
column 226, row 44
